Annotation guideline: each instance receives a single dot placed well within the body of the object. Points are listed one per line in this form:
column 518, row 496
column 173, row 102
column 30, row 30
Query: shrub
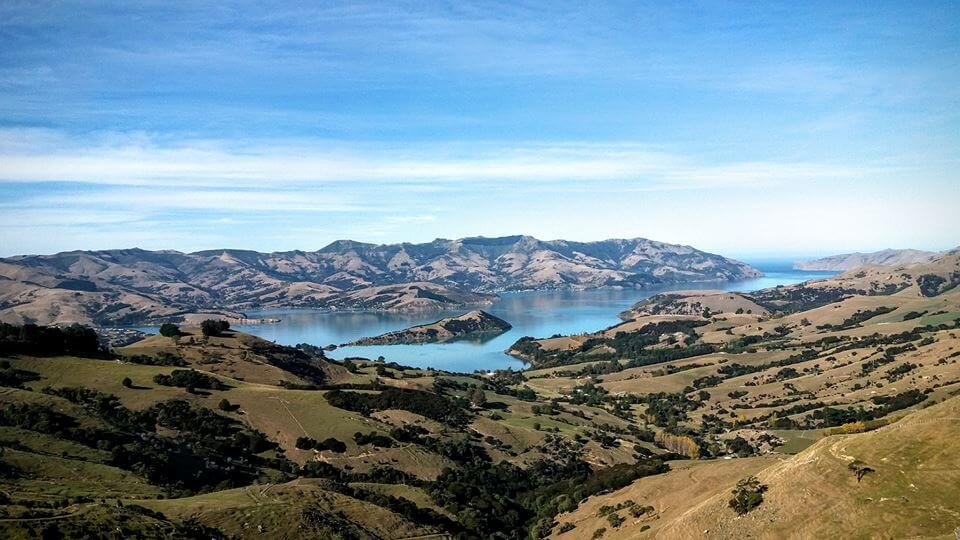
column 127, row 382
column 567, row 527
column 747, row 495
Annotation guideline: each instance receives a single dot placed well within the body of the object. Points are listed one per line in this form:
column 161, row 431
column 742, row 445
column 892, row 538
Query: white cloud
column 142, row 161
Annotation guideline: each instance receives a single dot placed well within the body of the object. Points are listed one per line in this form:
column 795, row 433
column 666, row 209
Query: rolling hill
column 848, row 261
column 637, row 430
column 911, row 491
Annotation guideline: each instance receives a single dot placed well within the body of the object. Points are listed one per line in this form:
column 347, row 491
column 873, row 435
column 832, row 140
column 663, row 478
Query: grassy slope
column 670, row 494
column 298, row 509
column 914, row 493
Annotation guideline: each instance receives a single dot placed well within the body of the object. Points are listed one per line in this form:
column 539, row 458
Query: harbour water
column 538, row 314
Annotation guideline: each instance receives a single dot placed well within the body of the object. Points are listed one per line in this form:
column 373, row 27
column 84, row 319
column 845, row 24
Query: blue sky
column 745, row 128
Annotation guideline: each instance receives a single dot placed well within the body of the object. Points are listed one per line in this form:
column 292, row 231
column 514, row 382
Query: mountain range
column 135, row 285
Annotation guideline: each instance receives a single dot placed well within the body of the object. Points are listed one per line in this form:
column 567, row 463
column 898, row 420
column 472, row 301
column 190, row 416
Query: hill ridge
column 124, row 286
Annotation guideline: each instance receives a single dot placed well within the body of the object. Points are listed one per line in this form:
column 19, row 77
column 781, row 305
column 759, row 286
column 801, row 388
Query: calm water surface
column 538, row 314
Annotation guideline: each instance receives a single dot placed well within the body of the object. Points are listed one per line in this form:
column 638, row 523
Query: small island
column 472, row 324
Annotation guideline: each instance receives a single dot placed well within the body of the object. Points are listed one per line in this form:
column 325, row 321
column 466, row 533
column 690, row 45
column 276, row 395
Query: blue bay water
column 538, row 314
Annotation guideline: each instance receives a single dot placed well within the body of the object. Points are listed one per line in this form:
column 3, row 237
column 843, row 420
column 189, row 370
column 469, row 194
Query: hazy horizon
column 748, row 130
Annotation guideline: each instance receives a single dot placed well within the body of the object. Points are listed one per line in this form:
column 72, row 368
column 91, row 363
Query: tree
column 214, row 327
column 860, row 469
column 306, row 443
column 169, row 330
column 225, row 405
column 332, row 445
column 477, row 396
column 747, row 495
column 127, row 382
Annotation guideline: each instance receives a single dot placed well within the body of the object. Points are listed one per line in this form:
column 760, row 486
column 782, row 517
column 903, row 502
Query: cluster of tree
column 877, row 339
column 170, row 330
column 373, row 438
column 428, row 404
column 735, row 369
column 589, row 393
column 799, row 298
column 49, row 340
column 14, row 378
column 741, row 447
column 330, row 443
column 667, row 410
column 528, row 347
column 743, row 343
column 208, row 451
column 492, row 498
column 898, row 372
column 297, row 361
column 162, row 358
column 550, row 408
column 674, row 368
column 932, row 284
column 410, row 433
column 214, row 327
column 678, row 444
column 190, row 379
column 889, row 356
column 857, row 318
column 344, row 479
column 477, row 396
column 380, row 474
column 635, row 346
column 830, row 417
column 505, row 385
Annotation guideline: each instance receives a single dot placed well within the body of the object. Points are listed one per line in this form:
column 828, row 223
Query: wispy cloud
column 144, row 162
